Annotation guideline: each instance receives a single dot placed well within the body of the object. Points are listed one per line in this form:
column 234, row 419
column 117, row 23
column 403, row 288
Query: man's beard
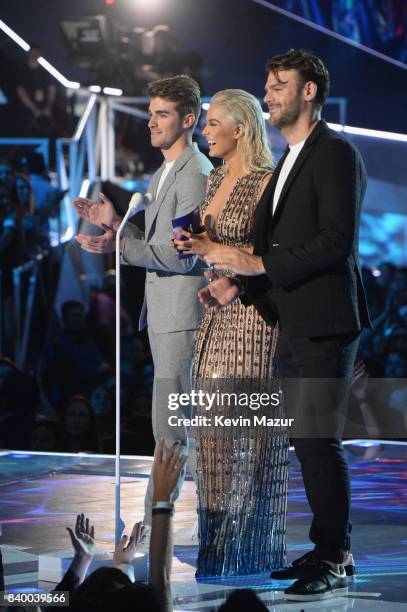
column 290, row 115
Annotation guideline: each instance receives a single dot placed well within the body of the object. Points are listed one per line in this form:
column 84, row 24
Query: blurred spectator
column 73, row 363
column 7, row 174
column 103, row 404
column 242, row 600
column 37, row 92
column 6, row 366
column 46, row 436
column 47, row 197
column 12, row 252
column 396, row 362
column 165, row 58
column 79, row 423
column 19, row 404
column 22, row 193
column 101, row 317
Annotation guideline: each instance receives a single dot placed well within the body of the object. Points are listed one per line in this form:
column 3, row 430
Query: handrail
column 24, row 312
column 85, row 117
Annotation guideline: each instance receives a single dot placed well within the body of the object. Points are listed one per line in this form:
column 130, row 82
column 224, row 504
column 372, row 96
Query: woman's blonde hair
column 244, row 109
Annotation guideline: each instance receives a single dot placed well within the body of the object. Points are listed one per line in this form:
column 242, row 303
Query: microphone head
column 139, row 199
column 136, row 200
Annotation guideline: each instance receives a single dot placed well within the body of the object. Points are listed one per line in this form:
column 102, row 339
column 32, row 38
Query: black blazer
column 309, row 247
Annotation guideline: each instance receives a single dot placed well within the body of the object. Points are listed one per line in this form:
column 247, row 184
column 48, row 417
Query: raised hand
column 83, row 538
column 97, row 213
column 359, row 380
column 106, row 243
column 127, row 547
column 166, row 471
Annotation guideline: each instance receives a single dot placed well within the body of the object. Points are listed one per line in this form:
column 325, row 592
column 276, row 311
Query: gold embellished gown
column 242, row 467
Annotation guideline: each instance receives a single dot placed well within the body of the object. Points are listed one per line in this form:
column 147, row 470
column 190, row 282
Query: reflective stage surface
column 41, row 495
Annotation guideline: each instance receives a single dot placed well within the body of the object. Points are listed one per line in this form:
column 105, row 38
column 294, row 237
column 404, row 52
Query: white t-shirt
column 166, row 170
column 285, row 171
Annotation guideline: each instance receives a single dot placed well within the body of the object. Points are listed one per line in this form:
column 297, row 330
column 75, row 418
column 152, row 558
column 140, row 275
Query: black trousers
column 316, row 375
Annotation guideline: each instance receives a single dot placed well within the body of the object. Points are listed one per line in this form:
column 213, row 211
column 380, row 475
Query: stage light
column 376, row 272
column 95, row 88
column 375, row 133
column 17, row 39
column 112, row 91
column 148, row 4
column 336, row 126
column 205, row 106
column 57, row 75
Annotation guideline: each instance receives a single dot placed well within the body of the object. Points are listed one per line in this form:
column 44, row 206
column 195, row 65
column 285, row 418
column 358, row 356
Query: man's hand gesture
column 105, row 243
column 98, row 213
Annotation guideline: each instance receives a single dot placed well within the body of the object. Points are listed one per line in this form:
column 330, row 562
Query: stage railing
column 29, row 290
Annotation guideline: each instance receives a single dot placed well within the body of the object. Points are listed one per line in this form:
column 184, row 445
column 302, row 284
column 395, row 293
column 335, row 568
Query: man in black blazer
column 304, row 274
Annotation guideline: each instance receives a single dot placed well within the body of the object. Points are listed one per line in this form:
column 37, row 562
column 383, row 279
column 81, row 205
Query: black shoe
column 299, row 566
column 318, row 582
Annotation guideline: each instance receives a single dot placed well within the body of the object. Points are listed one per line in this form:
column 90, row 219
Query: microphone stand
column 135, row 201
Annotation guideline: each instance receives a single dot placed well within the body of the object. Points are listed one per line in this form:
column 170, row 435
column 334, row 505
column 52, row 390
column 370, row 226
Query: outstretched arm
column 166, row 473
column 83, row 542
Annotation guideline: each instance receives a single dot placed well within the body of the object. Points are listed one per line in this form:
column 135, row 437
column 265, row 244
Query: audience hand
column 97, row 213
column 359, row 380
column 166, row 471
column 127, row 548
column 83, row 539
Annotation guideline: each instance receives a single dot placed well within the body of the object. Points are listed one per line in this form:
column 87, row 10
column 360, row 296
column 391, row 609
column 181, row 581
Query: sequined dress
column 242, row 467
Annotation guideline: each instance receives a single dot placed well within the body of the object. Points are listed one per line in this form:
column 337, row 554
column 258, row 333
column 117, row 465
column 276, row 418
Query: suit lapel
column 305, row 151
column 169, row 180
column 263, row 208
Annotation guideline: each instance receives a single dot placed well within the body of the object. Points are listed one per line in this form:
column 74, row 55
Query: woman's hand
column 196, row 244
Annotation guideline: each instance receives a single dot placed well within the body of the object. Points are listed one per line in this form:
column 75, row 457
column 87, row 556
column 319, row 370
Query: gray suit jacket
column 170, row 300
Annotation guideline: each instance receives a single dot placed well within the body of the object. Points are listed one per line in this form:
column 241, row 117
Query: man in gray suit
column 171, row 309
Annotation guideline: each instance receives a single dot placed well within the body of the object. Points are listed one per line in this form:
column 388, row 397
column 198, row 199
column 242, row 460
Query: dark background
column 234, row 37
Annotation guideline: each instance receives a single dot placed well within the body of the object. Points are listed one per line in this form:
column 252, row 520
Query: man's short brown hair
column 181, row 89
column 309, row 66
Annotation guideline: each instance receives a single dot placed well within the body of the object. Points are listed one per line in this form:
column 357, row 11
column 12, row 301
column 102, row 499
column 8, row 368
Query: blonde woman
column 242, row 467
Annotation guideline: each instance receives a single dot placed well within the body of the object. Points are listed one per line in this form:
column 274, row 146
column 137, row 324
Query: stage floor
column 41, row 495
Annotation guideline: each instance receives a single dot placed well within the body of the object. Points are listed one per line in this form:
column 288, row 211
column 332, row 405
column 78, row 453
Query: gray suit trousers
column 172, row 356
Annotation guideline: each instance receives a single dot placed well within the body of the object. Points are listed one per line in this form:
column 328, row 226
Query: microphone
column 139, row 201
